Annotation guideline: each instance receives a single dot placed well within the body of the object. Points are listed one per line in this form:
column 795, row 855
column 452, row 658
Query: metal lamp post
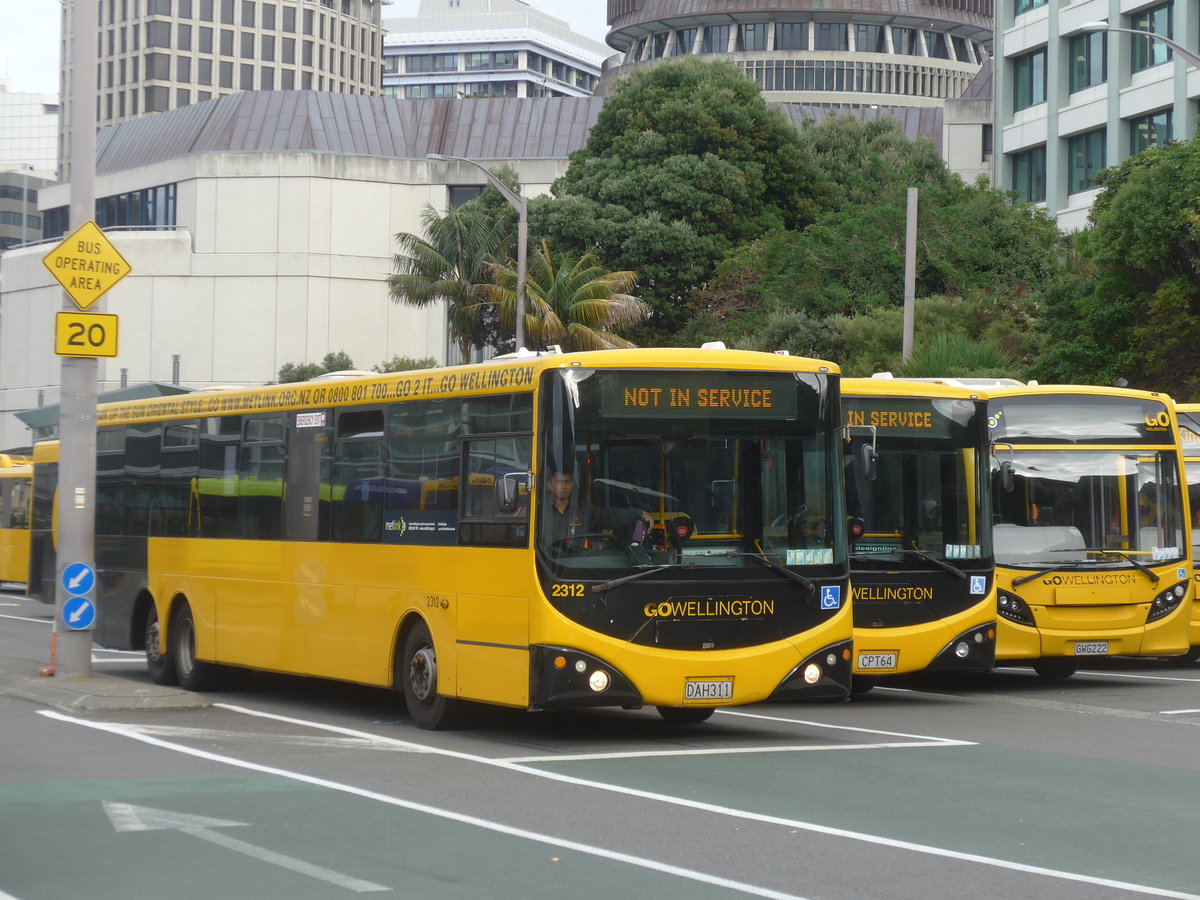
column 1104, row 26
column 517, row 202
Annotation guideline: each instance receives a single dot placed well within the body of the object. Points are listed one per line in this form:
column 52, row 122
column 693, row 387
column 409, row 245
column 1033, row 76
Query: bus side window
column 260, row 478
column 213, row 511
column 359, row 475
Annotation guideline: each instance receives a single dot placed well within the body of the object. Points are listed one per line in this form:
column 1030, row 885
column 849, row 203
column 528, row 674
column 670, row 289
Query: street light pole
column 519, row 203
column 1104, row 26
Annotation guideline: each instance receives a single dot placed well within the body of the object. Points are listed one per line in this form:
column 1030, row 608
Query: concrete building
column 267, row 231
column 159, row 55
column 487, row 48
column 818, row 52
column 28, row 130
column 1070, row 103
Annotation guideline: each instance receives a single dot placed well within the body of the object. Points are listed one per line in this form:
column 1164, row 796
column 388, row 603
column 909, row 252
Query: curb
column 21, row 679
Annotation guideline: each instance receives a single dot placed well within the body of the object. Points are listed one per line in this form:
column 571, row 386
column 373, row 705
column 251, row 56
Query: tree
column 404, row 364
column 449, row 264
column 685, row 161
column 333, row 362
column 570, row 301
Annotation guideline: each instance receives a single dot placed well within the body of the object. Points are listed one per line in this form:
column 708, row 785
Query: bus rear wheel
column 158, row 661
column 193, row 674
column 417, row 676
column 685, row 715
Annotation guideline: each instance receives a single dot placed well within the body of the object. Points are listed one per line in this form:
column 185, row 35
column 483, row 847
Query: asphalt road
column 998, row 785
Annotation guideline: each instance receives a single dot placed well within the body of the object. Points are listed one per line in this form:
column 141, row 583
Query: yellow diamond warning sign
column 86, row 264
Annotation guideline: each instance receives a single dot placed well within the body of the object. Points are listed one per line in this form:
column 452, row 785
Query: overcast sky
column 29, row 35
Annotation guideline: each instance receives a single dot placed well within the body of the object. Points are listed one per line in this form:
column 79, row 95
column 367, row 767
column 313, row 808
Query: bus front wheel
column 158, row 661
column 1055, row 668
column 684, row 715
column 193, row 674
column 417, row 677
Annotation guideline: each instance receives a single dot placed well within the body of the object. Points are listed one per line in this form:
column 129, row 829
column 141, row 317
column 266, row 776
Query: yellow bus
column 921, row 562
column 15, row 502
column 398, row 531
column 1092, row 557
column 1189, row 434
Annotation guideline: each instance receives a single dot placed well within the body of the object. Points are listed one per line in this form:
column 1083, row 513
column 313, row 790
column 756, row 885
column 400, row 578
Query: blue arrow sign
column 78, row 578
column 79, row 613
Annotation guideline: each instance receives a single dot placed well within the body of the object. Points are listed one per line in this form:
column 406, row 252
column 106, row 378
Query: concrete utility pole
column 75, row 590
column 519, row 203
column 910, row 273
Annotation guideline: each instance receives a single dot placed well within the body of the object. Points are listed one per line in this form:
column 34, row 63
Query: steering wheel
column 592, row 540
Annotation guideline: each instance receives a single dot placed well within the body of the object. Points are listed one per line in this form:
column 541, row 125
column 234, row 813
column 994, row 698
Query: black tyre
column 860, row 685
column 685, row 715
column 159, row 662
column 1056, row 668
column 417, row 677
column 193, row 674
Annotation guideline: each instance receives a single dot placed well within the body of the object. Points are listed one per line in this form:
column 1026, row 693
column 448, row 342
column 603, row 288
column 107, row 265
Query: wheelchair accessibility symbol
column 831, row 597
column 978, row 584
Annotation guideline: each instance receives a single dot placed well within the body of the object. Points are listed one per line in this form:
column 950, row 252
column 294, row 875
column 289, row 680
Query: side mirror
column 508, row 489
column 1007, row 478
column 869, row 461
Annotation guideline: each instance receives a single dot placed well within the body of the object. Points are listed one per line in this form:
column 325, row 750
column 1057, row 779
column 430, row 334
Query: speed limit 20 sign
column 85, row 334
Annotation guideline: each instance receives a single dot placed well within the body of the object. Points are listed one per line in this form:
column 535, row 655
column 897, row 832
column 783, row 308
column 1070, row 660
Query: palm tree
column 570, row 301
column 450, row 263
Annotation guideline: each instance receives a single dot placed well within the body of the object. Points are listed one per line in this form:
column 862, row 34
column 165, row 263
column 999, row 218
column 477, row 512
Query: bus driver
column 567, row 519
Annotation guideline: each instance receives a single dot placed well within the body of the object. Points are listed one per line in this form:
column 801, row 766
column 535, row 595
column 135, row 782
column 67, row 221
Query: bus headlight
column 962, row 649
column 598, row 681
column 1013, row 608
column 812, row 673
column 1166, row 601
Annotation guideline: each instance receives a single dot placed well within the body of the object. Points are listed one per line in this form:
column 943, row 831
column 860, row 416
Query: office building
column 260, row 228
column 487, row 48
column 1069, row 103
column 28, row 130
column 871, row 53
column 159, row 55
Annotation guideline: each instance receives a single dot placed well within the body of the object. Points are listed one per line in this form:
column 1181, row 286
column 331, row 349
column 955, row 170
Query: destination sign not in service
column 86, row 264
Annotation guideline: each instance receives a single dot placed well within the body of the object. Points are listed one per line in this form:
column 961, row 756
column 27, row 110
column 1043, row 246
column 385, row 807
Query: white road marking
column 128, row 817
column 498, row 827
column 743, row 814
column 1177, row 712
column 726, row 751
column 1138, row 677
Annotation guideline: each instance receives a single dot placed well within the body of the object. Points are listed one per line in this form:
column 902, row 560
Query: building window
column 831, row 36
column 158, row 65
column 478, row 61
column 1029, row 174
column 685, row 40
column 158, row 34
column 158, row 99
column 658, row 44
column 716, row 39
column 1027, row 5
column 905, row 41
column 1085, row 154
column 870, row 39
column 1149, row 131
column 1029, row 79
column 1147, row 52
column 791, row 35
column 752, row 36
column 246, row 77
column 936, row 42
column 463, row 193
column 1089, row 60
column 962, row 52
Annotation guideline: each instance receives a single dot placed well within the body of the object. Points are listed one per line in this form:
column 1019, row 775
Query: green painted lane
column 1133, row 823
column 60, row 842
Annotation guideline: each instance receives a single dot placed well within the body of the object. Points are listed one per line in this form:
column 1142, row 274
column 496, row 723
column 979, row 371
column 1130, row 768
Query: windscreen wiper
column 625, row 579
column 1047, row 571
column 1137, row 564
column 788, row 573
column 919, row 554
